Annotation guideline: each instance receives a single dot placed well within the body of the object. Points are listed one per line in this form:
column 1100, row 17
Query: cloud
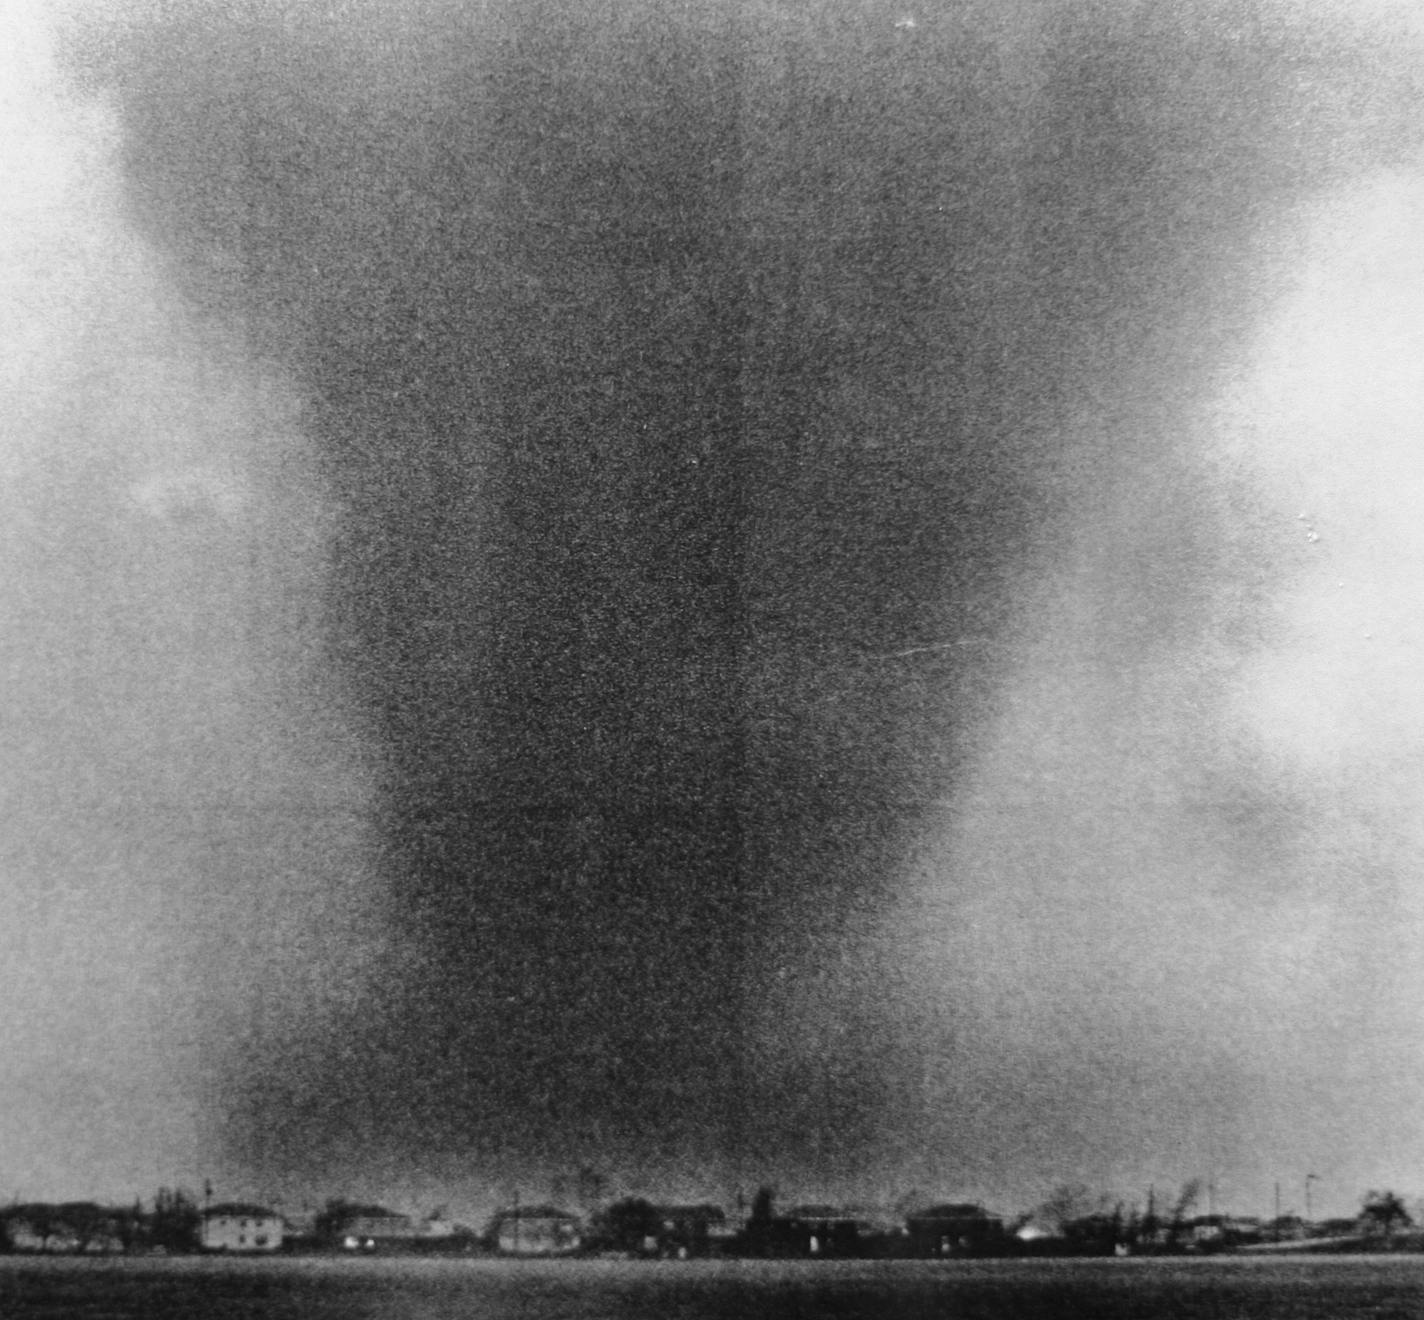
column 191, row 493
column 1327, row 418
column 1190, row 851
column 184, row 792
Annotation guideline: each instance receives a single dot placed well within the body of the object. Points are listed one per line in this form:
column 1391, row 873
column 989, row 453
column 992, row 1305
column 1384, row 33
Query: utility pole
column 1309, row 1178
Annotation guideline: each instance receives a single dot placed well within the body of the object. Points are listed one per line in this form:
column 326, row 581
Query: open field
column 1329, row 1288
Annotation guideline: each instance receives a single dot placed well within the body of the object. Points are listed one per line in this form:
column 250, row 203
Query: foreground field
column 1333, row 1288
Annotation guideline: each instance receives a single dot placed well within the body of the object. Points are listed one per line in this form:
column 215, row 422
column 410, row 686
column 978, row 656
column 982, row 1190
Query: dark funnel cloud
column 703, row 398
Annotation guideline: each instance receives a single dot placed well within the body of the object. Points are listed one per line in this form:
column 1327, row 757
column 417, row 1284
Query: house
column 954, row 1229
column 239, row 1227
column 1205, row 1233
column 818, row 1230
column 538, row 1230
column 367, row 1227
column 687, row 1230
column 349, row 1226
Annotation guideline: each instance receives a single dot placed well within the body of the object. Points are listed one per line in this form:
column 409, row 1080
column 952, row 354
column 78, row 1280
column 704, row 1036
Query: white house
column 239, row 1227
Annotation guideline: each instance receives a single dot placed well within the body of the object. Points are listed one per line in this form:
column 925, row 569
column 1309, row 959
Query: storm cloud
column 718, row 591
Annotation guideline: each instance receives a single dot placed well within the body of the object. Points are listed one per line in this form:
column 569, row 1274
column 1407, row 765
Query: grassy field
column 1318, row 1288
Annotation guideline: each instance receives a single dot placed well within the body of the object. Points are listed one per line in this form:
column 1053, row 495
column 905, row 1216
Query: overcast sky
column 816, row 594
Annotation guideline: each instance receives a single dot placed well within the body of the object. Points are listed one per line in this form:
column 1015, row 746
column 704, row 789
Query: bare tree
column 1070, row 1202
column 1186, row 1202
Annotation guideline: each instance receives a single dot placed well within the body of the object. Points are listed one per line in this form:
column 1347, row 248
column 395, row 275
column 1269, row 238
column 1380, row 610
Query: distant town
column 1073, row 1221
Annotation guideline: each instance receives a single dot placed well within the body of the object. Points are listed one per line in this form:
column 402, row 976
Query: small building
column 1338, row 1228
column 538, row 1230
column 688, row 1230
column 1207, row 1233
column 352, row 1227
column 239, row 1227
column 956, row 1229
column 368, row 1227
column 819, row 1230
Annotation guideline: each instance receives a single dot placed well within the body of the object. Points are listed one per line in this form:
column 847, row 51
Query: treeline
column 171, row 1224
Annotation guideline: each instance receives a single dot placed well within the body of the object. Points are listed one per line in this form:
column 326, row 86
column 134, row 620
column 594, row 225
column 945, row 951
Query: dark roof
column 957, row 1210
column 710, row 1212
column 820, row 1213
column 239, row 1209
column 535, row 1212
